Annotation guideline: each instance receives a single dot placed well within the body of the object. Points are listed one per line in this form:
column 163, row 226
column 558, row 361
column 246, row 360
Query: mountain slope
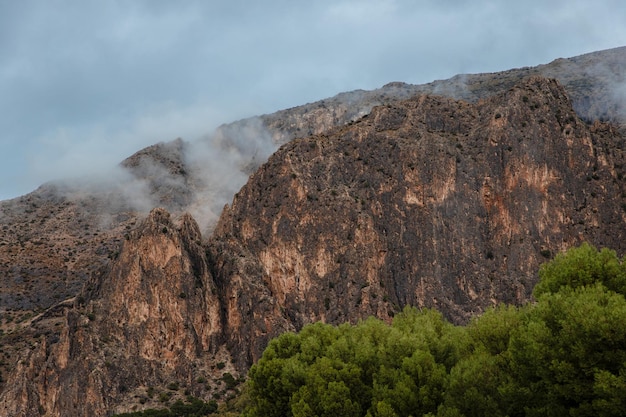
column 425, row 201
column 595, row 83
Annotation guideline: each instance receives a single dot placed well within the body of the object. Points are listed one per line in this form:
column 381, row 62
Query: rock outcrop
column 152, row 320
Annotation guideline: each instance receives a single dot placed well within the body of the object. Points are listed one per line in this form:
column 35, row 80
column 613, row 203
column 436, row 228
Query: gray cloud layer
column 85, row 84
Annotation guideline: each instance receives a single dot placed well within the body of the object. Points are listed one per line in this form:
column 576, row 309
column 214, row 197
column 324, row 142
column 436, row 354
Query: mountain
column 430, row 202
column 65, row 230
column 375, row 200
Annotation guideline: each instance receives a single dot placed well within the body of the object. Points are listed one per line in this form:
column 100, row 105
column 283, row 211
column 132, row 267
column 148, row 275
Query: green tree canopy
column 562, row 355
column 582, row 266
column 571, row 354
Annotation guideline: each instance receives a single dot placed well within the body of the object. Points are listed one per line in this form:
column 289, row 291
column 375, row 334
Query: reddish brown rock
column 151, row 320
column 429, row 202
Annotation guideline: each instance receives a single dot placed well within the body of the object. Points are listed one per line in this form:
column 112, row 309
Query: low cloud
column 221, row 164
column 199, row 176
column 91, row 150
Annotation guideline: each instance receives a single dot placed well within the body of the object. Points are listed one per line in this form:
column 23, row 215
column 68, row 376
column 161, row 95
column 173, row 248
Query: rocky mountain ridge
column 594, row 82
column 427, row 201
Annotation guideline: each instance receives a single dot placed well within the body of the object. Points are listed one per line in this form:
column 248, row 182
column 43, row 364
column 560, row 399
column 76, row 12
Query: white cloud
column 74, row 151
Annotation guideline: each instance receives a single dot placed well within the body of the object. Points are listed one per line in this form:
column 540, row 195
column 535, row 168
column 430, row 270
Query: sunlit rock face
column 151, row 319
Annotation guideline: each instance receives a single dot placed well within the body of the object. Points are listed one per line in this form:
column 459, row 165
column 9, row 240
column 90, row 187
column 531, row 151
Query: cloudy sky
column 85, row 83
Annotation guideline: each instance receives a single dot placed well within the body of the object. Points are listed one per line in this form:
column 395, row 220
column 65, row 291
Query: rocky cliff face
column 53, row 239
column 429, row 202
column 425, row 201
column 151, row 320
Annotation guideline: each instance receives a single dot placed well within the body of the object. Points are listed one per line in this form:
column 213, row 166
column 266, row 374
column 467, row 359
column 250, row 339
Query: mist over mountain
column 212, row 169
column 446, row 195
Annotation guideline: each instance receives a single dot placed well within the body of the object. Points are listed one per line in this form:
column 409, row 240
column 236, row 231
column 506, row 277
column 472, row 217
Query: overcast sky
column 84, row 84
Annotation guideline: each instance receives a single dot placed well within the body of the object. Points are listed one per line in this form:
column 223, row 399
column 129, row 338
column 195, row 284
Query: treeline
column 564, row 354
